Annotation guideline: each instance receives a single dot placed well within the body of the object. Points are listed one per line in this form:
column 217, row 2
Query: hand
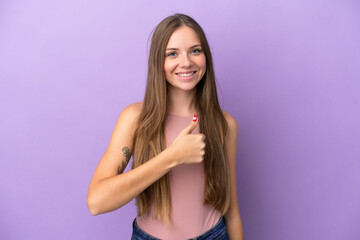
column 188, row 148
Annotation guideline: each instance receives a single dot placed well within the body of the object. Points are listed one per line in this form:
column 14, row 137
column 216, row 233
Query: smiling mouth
column 187, row 74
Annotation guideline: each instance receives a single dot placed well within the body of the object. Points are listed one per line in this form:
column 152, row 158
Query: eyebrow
column 196, row 45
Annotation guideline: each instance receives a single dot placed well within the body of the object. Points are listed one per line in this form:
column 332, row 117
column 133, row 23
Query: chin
column 184, row 86
column 187, row 87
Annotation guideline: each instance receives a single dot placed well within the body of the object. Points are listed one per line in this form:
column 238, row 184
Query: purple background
column 288, row 71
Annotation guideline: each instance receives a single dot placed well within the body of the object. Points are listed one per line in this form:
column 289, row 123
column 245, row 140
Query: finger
column 191, row 126
column 203, row 137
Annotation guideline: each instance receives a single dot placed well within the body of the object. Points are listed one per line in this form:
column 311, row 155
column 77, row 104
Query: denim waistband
column 216, row 232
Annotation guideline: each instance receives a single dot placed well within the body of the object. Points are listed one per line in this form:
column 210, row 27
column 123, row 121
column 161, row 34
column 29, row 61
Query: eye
column 171, row 54
column 196, row 51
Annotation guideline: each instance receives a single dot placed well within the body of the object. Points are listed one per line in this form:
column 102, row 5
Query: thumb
column 191, row 126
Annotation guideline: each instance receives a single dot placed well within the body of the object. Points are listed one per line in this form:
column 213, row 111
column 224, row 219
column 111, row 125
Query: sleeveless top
column 189, row 216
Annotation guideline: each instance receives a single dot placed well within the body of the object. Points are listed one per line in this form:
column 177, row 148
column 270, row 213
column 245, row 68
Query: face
column 185, row 62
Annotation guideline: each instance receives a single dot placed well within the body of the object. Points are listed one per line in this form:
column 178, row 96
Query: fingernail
column 194, row 118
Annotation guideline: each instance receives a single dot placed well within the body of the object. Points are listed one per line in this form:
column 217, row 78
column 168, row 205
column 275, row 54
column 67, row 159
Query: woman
column 184, row 146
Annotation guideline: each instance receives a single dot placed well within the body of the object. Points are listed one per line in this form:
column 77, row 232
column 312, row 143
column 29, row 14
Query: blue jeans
column 217, row 232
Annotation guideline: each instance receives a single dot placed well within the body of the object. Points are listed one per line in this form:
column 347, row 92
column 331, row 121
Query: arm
column 110, row 188
column 233, row 219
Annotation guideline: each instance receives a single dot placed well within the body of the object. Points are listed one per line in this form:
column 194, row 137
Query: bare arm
column 111, row 189
column 113, row 192
column 233, row 219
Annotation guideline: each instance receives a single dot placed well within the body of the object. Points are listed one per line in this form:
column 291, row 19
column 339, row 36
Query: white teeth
column 186, row 74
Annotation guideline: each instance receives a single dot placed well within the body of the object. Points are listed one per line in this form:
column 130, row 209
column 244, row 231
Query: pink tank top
column 190, row 217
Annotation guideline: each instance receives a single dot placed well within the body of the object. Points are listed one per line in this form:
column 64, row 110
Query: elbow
column 91, row 204
column 93, row 211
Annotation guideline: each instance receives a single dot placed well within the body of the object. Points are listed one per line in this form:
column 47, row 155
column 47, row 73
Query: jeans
column 217, row 232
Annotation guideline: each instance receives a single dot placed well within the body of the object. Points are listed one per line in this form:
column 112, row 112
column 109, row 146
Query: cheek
column 203, row 64
column 169, row 67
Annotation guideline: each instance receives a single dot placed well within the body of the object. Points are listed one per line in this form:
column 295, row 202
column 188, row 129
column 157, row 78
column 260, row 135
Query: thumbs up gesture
column 188, row 147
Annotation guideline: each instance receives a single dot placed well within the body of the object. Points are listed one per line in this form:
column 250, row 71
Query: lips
column 186, row 74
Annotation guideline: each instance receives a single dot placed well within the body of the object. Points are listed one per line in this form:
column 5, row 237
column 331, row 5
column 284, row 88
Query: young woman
column 183, row 145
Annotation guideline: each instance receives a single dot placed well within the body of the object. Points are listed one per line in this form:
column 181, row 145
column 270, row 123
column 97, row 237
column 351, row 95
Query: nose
column 186, row 61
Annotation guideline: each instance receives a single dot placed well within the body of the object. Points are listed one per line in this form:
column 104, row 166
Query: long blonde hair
column 150, row 137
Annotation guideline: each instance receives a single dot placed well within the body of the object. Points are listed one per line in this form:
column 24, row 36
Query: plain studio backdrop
column 287, row 70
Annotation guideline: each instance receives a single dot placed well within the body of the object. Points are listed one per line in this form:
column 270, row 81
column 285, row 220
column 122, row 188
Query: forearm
column 114, row 192
column 234, row 227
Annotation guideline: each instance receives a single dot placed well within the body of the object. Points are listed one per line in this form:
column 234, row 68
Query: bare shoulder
column 119, row 150
column 132, row 111
column 125, row 126
column 130, row 114
column 231, row 121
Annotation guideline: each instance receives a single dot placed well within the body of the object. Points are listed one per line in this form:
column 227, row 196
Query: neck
column 181, row 102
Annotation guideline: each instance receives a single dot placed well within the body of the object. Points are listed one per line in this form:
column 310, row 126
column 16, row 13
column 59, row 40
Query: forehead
column 184, row 36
